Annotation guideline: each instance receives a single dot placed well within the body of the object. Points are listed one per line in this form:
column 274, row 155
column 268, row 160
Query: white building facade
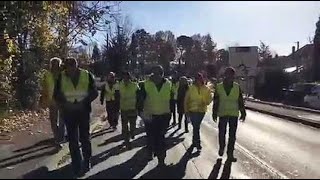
column 245, row 60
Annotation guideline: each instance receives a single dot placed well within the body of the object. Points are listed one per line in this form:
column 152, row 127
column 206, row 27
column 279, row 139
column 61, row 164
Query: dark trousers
column 57, row 123
column 78, row 129
column 128, row 118
column 185, row 121
column 113, row 113
column 156, row 130
column 233, row 124
column 174, row 110
column 196, row 119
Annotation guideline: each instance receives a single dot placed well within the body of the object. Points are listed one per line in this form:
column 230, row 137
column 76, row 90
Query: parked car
column 295, row 94
column 312, row 100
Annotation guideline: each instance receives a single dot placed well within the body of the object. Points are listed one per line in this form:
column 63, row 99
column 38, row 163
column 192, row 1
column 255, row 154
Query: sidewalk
column 112, row 161
column 296, row 114
column 25, row 149
column 29, row 149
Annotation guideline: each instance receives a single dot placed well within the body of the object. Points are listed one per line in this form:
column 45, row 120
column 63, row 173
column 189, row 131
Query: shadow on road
column 20, row 158
column 139, row 142
column 173, row 133
column 226, row 169
column 126, row 170
column 177, row 171
column 119, row 137
column 216, row 168
column 43, row 173
column 101, row 133
column 39, row 146
column 133, row 166
column 46, row 142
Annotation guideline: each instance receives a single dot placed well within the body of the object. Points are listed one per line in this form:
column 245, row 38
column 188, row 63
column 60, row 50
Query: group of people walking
column 155, row 99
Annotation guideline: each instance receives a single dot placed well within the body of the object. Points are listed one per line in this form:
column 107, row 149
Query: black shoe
column 58, row 146
column 86, row 166
column 199, row 148
column 149, row 155
column 231, row 158
column 132, row 137
column 161, row 162
column 174, row 123
column 78, row 173
column 220, row 152
column 114, row 128
column 179, row 127
column 128, row 145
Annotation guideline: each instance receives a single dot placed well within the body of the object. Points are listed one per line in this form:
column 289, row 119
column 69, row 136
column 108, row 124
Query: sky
column 277, row 23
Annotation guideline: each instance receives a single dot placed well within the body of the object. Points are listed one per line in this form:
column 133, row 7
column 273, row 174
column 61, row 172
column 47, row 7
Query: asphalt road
column 291, row 148
column 267, row 147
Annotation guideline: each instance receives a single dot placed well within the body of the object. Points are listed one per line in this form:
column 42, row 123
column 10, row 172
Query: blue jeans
column 196, row 119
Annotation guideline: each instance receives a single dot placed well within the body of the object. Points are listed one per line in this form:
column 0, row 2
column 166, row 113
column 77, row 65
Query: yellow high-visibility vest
column 128, row 96
column 197, row 99
column 228, row 104
column 158, row 101
column 79, row 92
column 49, row 85
column 110, row 93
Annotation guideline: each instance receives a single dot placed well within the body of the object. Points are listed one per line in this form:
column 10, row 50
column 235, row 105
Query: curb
column 285, row 106
column 290, row 118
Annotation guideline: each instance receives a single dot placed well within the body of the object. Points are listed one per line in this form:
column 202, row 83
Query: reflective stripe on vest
column 228, row 105
column 158, row 101
column 110, row 93
column 128, row 96
column 79, row 92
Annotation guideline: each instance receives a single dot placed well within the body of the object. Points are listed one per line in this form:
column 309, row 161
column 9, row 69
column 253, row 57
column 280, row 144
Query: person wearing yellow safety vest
column 197, row 99
column 228, row 101
column 110, row 93
column 128, row 106
column 156, row 94
column 175, row 87
column 48, row 83
column 75, row 90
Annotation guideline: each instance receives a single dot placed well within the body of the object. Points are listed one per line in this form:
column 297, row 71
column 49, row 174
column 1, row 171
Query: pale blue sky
column 278, row 23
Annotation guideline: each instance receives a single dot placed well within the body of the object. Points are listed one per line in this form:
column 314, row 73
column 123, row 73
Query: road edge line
column 261, row 162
